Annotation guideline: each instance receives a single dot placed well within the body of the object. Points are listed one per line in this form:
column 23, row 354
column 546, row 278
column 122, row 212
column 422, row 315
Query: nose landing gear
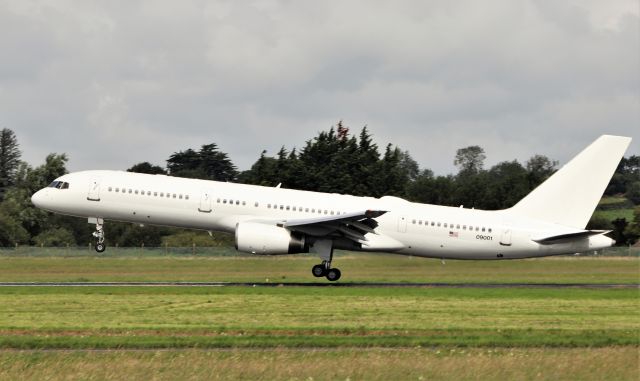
column 99, row 234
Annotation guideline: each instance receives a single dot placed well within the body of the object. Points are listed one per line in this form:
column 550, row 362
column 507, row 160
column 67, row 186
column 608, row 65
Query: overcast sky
column 113, row 83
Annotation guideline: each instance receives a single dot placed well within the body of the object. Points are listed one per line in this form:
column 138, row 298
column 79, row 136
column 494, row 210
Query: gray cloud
column 115, row 83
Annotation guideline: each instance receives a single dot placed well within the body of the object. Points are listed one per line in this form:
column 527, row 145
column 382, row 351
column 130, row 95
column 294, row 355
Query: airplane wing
column 352, row 226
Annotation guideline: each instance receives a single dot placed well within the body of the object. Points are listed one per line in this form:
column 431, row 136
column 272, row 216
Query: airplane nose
column 38, row 198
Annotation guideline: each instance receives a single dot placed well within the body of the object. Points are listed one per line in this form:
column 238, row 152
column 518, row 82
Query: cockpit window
column 59, row 185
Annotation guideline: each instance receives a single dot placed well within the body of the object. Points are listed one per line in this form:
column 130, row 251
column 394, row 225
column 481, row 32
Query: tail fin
column 570, row 196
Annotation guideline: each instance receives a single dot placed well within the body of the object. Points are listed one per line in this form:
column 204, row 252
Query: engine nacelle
column 257, row 238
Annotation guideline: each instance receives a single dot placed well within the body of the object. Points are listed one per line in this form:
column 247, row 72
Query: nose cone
column 38, row 199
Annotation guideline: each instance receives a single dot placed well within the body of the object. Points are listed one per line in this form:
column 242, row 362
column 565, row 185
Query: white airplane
column 551, row 220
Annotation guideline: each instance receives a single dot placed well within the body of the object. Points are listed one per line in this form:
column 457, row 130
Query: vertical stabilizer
column 570, row 196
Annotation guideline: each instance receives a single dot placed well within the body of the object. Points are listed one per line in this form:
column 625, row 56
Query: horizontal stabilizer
column 547, row 240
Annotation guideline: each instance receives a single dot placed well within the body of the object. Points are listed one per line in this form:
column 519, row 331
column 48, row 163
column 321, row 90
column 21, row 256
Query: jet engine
column 257, row 238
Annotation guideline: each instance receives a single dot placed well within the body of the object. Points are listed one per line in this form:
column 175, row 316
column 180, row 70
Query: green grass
column 612, row 363
column 612, row 214
column 319, row 333
column 355, row 267
column 614, row 202
column 169, row 317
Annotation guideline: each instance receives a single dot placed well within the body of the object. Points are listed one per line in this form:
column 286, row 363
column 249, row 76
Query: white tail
column 570, row 196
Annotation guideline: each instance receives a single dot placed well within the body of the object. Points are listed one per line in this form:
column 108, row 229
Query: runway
column 313, row 284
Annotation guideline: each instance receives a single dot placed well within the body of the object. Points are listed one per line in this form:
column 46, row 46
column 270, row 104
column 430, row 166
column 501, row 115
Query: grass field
column 132, row 265
column 553, row 364
column 301, row 333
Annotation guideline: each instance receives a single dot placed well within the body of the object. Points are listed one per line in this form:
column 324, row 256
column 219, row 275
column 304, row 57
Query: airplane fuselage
column 406, row 228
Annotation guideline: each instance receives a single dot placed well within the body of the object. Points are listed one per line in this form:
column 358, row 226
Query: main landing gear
column 324, row 269
column 99, row 234
column 324, row 248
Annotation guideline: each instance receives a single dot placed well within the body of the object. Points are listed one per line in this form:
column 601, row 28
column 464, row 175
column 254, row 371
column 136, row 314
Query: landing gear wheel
column 319, row 271
column 333, row 274
column 100, row 247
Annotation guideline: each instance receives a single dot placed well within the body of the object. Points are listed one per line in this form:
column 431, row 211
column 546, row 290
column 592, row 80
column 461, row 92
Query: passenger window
column 438, row 224
column 489, row 230
column 117, row 189
column 65, row 185
column 224, row 201
column 174, row 195
column 137, row 191
column 288, row 207
column 155, row 194
column 180, row 197
column 110, row 189
column 281, row 207
column 445, row 225
column 186, row 197
column 130, row 191
column 161, row 194
column 482, row 229
column 458, row 226
column 256, row 204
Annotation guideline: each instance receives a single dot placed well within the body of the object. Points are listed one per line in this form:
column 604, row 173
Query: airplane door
column 402, row 224
column 94, row 191
column 505, row 238
column 205, row 202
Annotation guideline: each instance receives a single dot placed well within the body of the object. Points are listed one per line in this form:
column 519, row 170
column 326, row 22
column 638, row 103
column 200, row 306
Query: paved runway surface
column 305, row 284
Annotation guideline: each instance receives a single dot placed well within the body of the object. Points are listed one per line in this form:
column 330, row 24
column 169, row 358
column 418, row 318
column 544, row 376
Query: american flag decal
column 453, row 234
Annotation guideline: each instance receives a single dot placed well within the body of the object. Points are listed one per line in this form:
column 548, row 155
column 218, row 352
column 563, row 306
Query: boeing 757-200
column 551, row 220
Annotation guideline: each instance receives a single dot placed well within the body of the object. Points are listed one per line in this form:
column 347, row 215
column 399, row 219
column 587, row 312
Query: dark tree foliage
column 470, row 159
column 539, row 168
column 146, row 167
column 627, row 173
column 208, row 163
column 9, row 159
column 337, row 162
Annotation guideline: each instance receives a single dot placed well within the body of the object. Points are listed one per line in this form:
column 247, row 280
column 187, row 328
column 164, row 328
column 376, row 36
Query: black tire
column 100, row 247
column 318, row 271
column 333, row 275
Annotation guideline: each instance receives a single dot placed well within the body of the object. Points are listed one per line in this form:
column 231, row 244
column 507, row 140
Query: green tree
column 507, row 183
column 627, row 172
column 146, row 167
column 11, row 231
column 208, row 163
column 55, row 237
column 17, row 201
column 539, row 168
column 9, row 159
column 470, row 159
column 633, row 192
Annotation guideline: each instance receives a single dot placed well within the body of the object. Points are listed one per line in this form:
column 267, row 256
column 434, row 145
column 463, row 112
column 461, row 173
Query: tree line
column 334, row 161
